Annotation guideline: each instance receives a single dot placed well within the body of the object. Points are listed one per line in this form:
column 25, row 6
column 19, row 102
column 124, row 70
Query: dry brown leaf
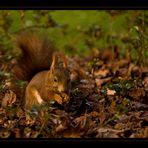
column 9, row 99
column 120, row 126
column 27, row 132
column 72, row 133
column 99, row 63
column 122, row 72
column 142, row 133
column 110, row 92
column 81, row 121
column 108, row 133
column 20, row 112
column 102, row 116
column 122, row 63
column 137, row 94
column 5, row 134
column 10, row 124
column 60, row 120
column 101, row 72
column 94, row 114
column 17, row 133
column 2, row 111
column 145, row 132
column 1, row 120
column 107, row 54
column 60, row 128
column 99, row 81
column 130, row 68
column 139, row 106
column 80, row 127
column 144, row 69
column 146, row 82
column 29, row 120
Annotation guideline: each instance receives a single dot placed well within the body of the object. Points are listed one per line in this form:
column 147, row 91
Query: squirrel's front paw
column 61, row 98
column 65, row 97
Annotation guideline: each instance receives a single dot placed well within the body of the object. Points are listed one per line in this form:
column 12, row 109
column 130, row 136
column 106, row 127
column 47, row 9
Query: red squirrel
column 45, row 69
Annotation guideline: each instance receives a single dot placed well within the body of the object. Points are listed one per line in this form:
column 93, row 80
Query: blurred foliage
column 78, row 32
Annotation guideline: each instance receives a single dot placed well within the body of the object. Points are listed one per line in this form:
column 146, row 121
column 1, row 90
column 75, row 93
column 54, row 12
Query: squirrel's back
column 36, row 55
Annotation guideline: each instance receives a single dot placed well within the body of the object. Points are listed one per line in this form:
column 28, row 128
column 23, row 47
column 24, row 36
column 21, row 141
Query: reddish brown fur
column 44, row 68
column 36, row 53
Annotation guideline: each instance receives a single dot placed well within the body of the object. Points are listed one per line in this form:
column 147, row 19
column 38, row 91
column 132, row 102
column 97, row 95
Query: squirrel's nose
column 61, row 88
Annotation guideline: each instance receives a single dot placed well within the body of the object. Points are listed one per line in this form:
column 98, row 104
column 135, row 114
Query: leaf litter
column 108, row 99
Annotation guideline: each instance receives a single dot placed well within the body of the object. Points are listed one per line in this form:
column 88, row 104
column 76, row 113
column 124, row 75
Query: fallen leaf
column 108, row 133
column 60, row 128
column 4, row 133
column 110, row 92
column 29, row 120
column 122, row 63
column 9, row 99
column 137, row 94
column 101, row 81
column 101, row 73
column 145, row 81
column 138, row 106
column 27, row 132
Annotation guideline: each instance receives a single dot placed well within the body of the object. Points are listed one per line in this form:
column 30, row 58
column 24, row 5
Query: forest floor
column 109, row 99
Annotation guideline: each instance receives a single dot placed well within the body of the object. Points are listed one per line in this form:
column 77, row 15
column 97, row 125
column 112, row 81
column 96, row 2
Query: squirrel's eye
column 55, row 79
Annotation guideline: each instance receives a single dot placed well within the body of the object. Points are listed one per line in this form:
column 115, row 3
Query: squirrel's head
column 59, row 76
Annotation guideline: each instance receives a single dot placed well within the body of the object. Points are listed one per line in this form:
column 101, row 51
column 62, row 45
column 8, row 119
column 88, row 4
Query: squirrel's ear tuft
column 64, row 60
column 53, row 64
column 58, row 61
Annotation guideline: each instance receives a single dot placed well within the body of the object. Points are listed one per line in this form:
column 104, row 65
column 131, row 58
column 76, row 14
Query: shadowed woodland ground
column 107, row 59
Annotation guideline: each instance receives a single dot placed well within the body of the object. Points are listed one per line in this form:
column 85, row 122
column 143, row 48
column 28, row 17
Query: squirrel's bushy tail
column 36, row 53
